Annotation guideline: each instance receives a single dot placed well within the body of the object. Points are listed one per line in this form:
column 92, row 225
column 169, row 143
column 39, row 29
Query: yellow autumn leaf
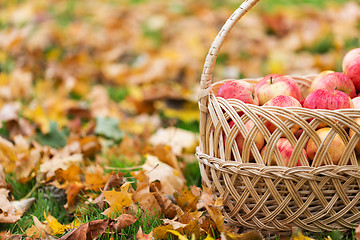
column 56, row 227
column 209, row 237
column 297, row 235
column 117, row 200
column 176, row 233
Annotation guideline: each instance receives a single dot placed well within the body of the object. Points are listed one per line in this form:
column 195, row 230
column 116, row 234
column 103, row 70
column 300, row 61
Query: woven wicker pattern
column 257, row 193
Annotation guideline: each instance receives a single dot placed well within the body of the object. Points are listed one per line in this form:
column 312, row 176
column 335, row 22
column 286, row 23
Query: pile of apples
column 329, row 90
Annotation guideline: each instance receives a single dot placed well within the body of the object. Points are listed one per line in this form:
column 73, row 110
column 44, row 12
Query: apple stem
column 253, row 96
column 335, row 88
column 271, row 80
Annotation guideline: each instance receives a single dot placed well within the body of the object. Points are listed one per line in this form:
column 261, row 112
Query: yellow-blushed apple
column 275, row 86
column 337, row 81
column 285, row 149
column 317, row 78
column 356, row 102
column 336, row 148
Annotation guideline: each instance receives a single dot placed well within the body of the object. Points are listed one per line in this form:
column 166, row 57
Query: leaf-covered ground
column 98, row 108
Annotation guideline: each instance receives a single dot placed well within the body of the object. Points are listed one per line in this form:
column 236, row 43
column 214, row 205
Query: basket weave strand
column 258, row 190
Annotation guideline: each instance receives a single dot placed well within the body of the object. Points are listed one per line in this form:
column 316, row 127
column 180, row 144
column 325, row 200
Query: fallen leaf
column 56, row 227
column 122, row 222
column 215, row 212
column 143, row 196
column 169, row 209
column 11, row 211
column 178, row 139
column 117, row 200
column 38, row 230
column 108, row 127
column 298, row 235
column 115, row 181
column 186, row 200
column 94, row 229
column 252, row 235
column 176, row 233
column 140, row 235
column 169, row 177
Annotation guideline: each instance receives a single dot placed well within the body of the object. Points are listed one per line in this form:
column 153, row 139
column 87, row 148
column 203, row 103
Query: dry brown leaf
column 38, row 230
column 215, row 212
column 169, row 209
column 140, row 235
column 143, row 196
column 175, row 224
column 252, row 235
column 169, row 177
column 94, row 229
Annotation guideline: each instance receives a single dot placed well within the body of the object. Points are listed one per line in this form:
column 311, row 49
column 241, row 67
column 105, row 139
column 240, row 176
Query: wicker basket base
column 275, row 199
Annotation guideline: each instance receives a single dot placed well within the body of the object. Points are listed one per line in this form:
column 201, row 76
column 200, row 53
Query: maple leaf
column 187, row 200
column 56, row 227
column 117, row 200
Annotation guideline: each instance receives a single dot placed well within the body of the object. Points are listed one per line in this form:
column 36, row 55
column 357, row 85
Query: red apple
column 238, row 89
column 286, row 149
column 335, row 149
column 282, row 101
column 316, row 80
column 265, row 80
column 351, row 133
column 351, row 66
column 258, row 140
column 328, row 99
column 337, row 81
column 275, row 86
column 356, row 102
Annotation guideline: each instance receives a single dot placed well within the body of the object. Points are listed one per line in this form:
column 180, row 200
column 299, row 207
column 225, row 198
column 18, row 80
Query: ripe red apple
column 356, row 102
column 282, row 101
column 286, row 149
column 337, row 81
column 265, row 80
column 316, row 80
column 275, row 86
column 351, row 133
column 258, row 140
column 328, row 99
column 238, row 89
column 335, row 149
column 351, row 66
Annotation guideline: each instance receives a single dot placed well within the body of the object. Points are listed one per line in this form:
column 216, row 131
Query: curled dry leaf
column 169, row 209
column 94, row 229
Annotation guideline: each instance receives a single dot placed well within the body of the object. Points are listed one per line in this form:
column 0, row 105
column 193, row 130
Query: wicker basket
column 317, row 196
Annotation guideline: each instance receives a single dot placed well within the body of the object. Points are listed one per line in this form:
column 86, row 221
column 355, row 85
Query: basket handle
column 206, row 76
